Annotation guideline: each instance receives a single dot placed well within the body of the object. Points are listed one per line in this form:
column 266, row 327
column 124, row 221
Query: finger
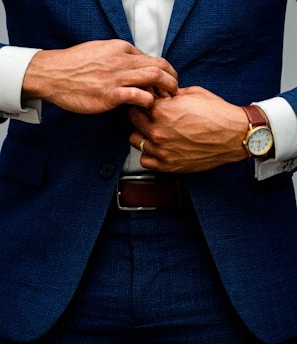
column 133, row 50
column 141, row 60
column 152, row 163
column 165, row 65
column 159, row 62
column 163, row 93
column 141, row 145
column 151, row 76
column 139, row 141
column 131, row 95
column 141, row 121
column 150, row 157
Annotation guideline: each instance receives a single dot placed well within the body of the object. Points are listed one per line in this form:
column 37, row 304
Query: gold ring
column 141, row 145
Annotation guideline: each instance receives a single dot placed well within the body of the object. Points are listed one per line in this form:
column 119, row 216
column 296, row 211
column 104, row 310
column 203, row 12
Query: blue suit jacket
column 57, row 179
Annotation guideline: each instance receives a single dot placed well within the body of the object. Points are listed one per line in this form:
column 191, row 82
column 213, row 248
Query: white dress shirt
column 148, row 21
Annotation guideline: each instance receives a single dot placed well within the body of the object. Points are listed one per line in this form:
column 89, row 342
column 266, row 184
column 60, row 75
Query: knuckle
column 164, row 156
column 131, row 92
column 156, row 135
column 128, row 93
column 121, row 43
column 155, row 73
column 162, row 63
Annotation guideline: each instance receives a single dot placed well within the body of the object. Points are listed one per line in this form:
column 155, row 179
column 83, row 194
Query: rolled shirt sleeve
column 14, row 62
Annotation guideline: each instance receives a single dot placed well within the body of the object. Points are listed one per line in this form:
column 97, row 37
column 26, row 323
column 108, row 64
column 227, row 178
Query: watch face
column 260, row 141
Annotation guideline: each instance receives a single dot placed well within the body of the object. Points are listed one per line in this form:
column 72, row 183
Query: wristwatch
column 259, row 139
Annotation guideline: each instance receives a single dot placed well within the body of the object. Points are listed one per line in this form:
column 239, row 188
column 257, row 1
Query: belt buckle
column 133, row 177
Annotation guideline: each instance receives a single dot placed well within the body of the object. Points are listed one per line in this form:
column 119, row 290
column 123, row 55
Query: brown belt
column 148, row 192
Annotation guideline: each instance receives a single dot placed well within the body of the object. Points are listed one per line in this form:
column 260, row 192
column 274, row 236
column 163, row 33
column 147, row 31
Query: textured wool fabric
column 150, row 279
column 57, row 179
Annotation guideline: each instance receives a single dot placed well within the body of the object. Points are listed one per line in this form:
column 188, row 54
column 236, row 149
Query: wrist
column 36, row 79
column 258, row 141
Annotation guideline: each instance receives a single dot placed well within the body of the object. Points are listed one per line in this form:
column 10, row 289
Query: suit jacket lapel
column 180, row 12
column 116, row 15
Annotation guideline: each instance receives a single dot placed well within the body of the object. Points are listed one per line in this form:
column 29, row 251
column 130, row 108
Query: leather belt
column 148, row 192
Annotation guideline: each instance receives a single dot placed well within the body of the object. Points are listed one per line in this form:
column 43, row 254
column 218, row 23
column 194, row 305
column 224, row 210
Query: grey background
column 289, row 78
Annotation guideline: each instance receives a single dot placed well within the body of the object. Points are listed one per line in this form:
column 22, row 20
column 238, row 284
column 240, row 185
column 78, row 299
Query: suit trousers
column 150, row 280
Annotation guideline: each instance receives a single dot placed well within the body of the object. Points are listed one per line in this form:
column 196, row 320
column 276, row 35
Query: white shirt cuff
column 14, row 62
column 283, row 122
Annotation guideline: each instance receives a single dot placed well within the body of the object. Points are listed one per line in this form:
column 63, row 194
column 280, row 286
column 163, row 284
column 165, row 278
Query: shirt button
column 107, row 170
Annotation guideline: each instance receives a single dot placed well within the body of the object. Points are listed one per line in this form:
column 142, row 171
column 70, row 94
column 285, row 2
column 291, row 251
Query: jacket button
column 107, row 171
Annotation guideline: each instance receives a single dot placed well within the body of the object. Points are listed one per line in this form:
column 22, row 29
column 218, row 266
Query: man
column 136, row 210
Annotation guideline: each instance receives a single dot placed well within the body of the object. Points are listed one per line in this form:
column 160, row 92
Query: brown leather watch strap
column 255, row 115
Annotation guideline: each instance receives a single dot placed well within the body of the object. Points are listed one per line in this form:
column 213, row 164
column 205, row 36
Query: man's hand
column 97, row 76
column 193, row 131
